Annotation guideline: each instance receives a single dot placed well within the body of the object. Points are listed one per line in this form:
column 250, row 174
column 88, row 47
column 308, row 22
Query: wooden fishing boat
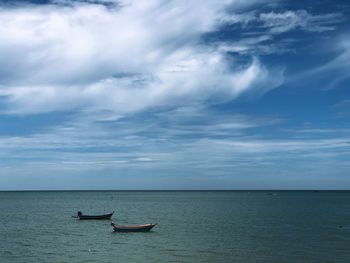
column 94, row 217
column 134, row 228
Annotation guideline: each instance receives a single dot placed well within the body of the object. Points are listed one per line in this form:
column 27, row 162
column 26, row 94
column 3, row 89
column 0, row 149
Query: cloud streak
column 281, row 22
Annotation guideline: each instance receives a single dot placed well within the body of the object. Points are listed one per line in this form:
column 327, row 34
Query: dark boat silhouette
column 94, row 217
column 134, row 228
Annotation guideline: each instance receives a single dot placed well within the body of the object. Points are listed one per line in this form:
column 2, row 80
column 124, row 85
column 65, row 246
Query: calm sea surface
column 192, row 227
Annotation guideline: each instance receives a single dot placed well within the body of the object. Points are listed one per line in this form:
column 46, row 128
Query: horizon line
column 170, row 190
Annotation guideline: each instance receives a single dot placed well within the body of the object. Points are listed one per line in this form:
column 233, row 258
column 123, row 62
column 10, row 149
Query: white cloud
column 125, row 59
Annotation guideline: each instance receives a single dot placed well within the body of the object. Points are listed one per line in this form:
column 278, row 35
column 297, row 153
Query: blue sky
column 107, row 94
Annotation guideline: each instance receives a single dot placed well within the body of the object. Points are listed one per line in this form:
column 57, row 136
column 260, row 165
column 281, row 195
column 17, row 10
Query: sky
column 162, row 94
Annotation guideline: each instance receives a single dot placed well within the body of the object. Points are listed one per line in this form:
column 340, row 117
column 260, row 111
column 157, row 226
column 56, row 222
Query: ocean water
column 237, row 226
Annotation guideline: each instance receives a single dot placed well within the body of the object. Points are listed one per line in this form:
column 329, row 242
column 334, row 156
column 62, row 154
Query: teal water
column 242, row 226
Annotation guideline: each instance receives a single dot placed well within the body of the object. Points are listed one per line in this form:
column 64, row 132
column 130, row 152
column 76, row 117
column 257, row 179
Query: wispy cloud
column 285, row 21
column 194, row 142
column 193, row 134
column 334, row 72
column 259, row 31
column 341, row 60
column 281, row 22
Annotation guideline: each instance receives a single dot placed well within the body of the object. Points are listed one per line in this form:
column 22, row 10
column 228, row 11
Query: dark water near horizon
column 237, row 226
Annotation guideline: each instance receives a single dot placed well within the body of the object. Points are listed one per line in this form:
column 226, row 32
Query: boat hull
column 96, row 217
column 140, row 228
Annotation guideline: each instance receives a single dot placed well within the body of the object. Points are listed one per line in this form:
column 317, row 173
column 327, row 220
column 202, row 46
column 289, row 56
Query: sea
column 193, row 226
